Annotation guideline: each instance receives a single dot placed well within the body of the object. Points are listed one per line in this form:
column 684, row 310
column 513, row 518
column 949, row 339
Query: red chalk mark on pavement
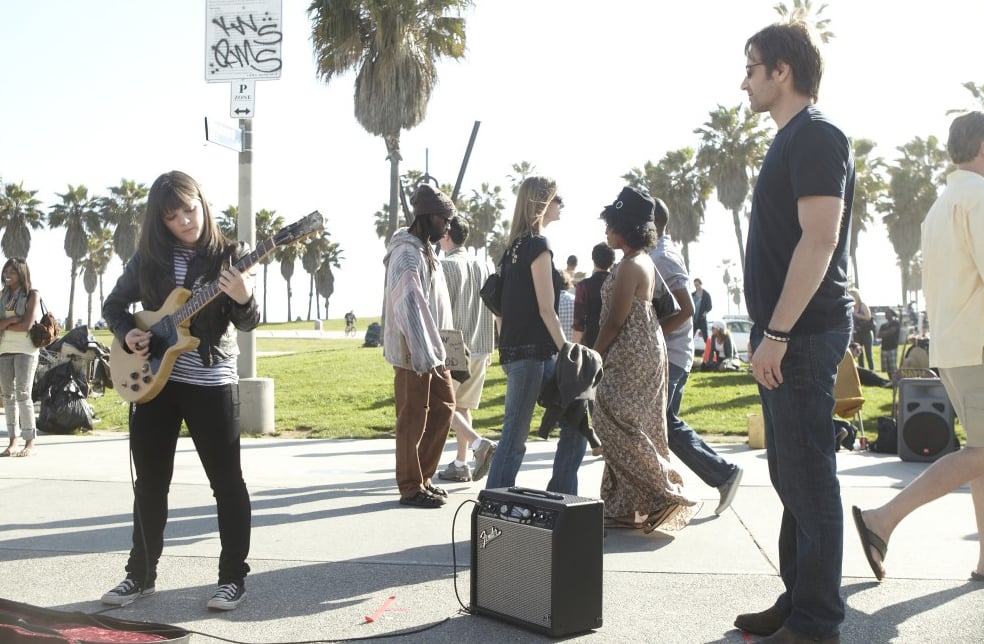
column 382, row 609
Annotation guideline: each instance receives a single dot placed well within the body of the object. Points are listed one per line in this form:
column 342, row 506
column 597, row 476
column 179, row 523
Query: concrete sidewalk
column 331, row 546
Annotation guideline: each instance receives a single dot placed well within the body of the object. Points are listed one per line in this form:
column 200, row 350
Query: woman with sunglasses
column 530, row 336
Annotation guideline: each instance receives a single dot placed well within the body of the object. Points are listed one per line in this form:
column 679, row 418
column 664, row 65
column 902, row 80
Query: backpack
column 888, row 437
column 374, row 335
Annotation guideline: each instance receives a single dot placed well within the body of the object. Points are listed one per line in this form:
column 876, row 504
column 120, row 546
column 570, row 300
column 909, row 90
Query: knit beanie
column 428, row 200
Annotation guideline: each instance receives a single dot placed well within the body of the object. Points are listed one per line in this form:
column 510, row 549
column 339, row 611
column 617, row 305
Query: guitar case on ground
column 26, row 624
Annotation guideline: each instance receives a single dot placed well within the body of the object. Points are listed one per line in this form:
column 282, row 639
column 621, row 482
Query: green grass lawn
column 340, row 389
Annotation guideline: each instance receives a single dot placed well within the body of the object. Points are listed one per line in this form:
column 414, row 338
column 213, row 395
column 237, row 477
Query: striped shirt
column 465, row 276
column 188, row 368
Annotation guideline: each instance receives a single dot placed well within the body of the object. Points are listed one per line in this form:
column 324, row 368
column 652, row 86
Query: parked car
column 740, row 328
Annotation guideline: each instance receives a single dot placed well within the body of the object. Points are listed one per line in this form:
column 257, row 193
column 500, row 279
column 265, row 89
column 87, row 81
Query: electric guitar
column 138, row 380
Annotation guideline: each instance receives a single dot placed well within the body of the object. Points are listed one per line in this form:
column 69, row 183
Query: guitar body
column 137, row 380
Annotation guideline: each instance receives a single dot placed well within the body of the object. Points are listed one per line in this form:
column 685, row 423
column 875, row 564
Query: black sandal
column 422, row 500
column 437, row 491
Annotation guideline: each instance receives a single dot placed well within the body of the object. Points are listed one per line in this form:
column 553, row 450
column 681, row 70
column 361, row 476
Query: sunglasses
column 558, row 200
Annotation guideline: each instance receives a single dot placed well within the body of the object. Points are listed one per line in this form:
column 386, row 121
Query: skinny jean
column 524, row 379
column 801, row 450
column 212, row 417
column 16, row 381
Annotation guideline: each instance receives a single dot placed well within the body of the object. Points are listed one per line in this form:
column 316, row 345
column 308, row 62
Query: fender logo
column 489, row 535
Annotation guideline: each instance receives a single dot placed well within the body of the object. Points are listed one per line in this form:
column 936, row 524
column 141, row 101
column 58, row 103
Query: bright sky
column 102, row 90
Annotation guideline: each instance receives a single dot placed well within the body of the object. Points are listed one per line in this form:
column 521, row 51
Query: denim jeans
column 524, row 379
column 684, row 441
column 801, row 450
column 16, row 381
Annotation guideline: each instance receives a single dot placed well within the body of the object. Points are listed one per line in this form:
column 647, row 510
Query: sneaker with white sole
column 127, row 592
column 483, row 458
column 453, row 472
column 728, row 490
column 228, row 596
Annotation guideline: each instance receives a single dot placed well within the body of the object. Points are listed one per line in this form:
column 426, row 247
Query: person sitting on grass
column 719, row 351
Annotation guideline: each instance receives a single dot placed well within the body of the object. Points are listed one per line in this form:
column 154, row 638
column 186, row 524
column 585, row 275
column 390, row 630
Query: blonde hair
column 534, row 195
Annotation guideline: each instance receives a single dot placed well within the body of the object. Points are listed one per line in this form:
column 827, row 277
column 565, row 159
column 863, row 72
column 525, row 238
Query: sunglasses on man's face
column 558, row 200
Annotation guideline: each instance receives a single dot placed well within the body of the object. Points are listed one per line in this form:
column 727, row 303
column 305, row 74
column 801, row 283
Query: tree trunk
column 393, row 155
column 289, row 294
column 265, row 267
column 71, row 295
column 736, row 215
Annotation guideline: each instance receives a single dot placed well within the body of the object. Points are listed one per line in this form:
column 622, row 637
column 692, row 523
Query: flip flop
column 976, row 576
column 870, row 540
column 24, row 452
column 656, row 520
column 5, row 452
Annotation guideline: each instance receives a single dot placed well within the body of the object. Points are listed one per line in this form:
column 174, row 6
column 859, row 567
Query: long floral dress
column 630, row 419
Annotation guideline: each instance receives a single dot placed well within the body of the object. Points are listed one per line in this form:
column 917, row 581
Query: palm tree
column 125, row 209
column 331, row 255
column 228, row 221
column 267, row 225
column 314, row 249
column 679, row 182
column 869, row 189
column 381, row 222
column 483, row 210
column 522, row 169
column 394, row 46
column 73, row 212
column 99, row 253
column 287, row 256
column 803, row 11
column 913, row 186
column 20, row 211
column 732, row 142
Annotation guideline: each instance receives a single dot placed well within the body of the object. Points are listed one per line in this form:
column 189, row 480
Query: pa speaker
column 536, row 559
column 925, row 420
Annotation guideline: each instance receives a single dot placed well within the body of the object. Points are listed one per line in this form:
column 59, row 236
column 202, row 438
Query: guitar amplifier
column 536, row 559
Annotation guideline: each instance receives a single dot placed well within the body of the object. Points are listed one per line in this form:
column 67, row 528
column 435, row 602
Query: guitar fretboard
column 212, row 290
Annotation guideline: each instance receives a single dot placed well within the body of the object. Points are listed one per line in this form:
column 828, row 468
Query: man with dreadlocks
column 416, row 308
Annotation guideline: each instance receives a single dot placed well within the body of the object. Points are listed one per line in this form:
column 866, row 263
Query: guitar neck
column 205, row 295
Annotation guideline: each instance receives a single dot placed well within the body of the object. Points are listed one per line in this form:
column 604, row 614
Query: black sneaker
column 228, row 596
column 127, row 592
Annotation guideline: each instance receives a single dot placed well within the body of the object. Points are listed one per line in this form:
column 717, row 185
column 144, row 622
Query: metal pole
column 247, row 233
column 464, row 162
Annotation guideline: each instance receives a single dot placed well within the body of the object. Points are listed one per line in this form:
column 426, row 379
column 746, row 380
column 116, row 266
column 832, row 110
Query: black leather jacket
column 213, row 325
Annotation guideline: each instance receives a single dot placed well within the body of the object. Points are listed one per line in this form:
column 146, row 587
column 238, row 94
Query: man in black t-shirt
column 889, row 335
column 796, row 293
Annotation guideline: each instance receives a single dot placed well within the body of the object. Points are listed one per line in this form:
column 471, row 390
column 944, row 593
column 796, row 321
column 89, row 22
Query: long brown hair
column 172, row 191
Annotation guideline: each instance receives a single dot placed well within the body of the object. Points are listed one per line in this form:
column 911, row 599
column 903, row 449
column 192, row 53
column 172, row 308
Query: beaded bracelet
column 776, row 336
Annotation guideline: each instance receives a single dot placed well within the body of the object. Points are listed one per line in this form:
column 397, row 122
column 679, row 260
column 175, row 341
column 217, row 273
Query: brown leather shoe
column 786, row 636
column 765, row 623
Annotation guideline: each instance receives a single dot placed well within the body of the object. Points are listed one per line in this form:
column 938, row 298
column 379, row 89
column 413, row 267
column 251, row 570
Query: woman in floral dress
column 639, row 486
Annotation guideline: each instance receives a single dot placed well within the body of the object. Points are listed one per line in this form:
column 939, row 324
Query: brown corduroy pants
column 424, row 407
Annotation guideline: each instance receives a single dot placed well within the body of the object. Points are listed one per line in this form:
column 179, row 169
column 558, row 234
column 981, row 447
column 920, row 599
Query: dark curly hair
column 635, row 233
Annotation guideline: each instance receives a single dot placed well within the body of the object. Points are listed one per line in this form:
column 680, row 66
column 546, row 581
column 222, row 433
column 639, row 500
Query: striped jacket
column 416, row 305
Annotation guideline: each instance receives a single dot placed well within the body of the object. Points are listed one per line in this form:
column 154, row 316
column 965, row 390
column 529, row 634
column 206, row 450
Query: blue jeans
column 524, row 379
column 16, row 380
column 801, row 449
column 684, row 441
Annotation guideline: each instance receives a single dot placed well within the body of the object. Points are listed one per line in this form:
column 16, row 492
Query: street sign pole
column 247, row 233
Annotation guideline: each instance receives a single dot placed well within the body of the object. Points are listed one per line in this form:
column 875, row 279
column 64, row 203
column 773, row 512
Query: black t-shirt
column 523, row 334
column 809, row 157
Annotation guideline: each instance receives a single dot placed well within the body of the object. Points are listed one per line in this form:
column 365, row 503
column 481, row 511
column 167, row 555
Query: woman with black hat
column 530, row 337
column 639, row 487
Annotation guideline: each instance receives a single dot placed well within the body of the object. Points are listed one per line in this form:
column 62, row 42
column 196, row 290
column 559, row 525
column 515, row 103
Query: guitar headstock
column 300, row 229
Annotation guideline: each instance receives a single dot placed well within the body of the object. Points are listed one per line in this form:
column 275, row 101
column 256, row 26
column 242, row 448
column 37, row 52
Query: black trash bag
column 374, row 335
column 64, row 408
